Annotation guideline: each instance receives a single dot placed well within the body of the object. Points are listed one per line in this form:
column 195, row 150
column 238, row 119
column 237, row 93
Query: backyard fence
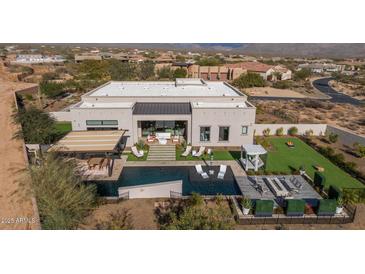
column 281, row 219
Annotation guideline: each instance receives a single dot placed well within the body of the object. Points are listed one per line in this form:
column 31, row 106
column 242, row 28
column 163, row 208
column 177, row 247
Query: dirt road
column 16, row 207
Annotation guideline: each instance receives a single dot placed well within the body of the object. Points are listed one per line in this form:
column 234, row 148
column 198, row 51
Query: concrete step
column 162, row 153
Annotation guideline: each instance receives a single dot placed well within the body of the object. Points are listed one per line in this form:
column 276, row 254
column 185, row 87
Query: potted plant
column 339, row 207
column 246, row 205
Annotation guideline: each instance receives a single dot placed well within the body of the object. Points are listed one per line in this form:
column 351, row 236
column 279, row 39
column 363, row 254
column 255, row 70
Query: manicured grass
column 219, row 155
column 281, row 158
column 63, row 127
column 132, row 157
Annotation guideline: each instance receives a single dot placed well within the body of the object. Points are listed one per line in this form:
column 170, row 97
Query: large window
column 102, row 122
column 204, row 134
column 223, row 134
column 244, row 130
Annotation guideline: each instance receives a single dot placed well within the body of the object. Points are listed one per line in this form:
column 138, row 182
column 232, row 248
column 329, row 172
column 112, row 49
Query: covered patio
column 95, row 150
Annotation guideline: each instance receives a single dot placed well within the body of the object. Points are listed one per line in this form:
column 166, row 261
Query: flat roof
column 219, row 105
column 89, row 141
column 181, row 87
column 104, row 105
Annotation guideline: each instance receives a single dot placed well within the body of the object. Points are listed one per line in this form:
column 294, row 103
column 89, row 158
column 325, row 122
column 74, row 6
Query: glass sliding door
column 204, row 134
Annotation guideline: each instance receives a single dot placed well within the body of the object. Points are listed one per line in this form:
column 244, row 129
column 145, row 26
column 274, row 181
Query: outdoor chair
column 222, row 171
column 137, row 153
column 187, row 151
column 200, row 152
column 199, row 169
column 150, row 139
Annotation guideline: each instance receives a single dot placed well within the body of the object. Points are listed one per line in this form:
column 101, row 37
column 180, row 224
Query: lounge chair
column 200, row 152
column 176, row 139
column 187, row 151
column 199, row 169
column 222, row 171
column 137, row 153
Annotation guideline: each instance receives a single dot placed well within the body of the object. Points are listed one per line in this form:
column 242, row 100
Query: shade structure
column 89, row 141
column 252, row 159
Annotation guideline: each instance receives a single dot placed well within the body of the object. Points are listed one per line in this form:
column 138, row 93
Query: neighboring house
column 285, row 74
column 233, row 71
column 87, row 56
column 322, row 67
column 265, row 71
column 37, row 59
column 206, row 113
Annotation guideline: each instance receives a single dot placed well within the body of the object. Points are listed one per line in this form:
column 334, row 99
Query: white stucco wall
column 158, row 190
column 214, row 118
column 318, row 129
column 123, row 115
column 62, row 116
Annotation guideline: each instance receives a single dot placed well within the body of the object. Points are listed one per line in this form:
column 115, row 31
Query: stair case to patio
column 162, row 153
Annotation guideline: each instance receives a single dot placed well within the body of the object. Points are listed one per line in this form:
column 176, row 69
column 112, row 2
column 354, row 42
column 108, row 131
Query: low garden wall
column 346, row 136
column 318, row 129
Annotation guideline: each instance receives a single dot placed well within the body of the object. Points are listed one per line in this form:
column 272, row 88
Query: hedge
column 334, row 192
column 327, row 207
column 295, row 207
column 264, row 208
column 319, row 179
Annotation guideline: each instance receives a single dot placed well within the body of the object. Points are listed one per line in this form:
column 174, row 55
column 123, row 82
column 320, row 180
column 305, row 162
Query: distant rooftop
column 181, row 87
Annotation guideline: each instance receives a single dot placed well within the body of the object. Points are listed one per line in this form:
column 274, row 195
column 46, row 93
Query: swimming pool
column 192, row 182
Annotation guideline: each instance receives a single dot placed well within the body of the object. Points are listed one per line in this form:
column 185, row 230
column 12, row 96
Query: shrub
column 319, row 180
column 63, row 199
column 266, row 132
column 327, row 207
column 51, row 90
column 264, row 208
column 293, row 131
column 334, row 192
column 302, row 74
column 295, row 207
column 309, row 132
column 282, row 84
column 249, row 80
column 179, row 73
column 359, row 150
column 280, row 131
column 332, row 137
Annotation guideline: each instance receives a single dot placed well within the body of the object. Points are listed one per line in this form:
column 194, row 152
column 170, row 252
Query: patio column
column 256, row 161
column 246, row 161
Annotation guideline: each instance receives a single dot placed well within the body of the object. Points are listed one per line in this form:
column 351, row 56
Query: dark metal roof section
column 162, row 108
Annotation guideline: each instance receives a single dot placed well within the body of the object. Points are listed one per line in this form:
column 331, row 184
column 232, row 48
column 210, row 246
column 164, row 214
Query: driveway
column 336, row 97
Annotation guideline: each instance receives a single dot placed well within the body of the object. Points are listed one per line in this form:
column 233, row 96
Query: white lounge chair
column 187, row 151
column 200, row 152
column 222, row 171
column 137, row 153
column 199, row 169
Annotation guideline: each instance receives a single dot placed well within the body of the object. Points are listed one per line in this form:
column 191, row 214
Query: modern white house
column 203, row 113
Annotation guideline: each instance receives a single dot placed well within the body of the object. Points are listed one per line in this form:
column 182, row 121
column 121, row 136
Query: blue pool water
column 192, row 182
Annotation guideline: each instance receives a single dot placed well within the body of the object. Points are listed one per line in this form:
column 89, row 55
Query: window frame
column 244, row 134
column 219, row 133
column 210, row 134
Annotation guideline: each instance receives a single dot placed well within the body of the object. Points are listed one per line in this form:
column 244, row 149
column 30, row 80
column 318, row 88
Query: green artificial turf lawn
column 132, row 157
column 284, row 159
column 63, row 127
